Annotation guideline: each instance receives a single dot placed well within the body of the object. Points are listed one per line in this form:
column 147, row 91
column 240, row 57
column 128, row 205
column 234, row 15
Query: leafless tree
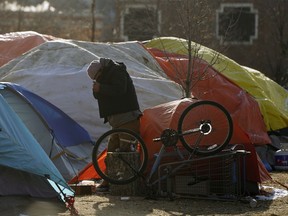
column 189, row 20
column 277, row 52
column 93, row 6
column 192, row 16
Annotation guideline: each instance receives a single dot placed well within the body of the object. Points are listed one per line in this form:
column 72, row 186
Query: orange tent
column 89, row 172
column 158, row 118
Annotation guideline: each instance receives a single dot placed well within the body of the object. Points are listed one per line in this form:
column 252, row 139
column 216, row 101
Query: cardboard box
column 83, row 189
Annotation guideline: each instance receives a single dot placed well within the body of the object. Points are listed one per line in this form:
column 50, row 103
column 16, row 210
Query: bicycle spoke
column 124, row 164
column 205, row 128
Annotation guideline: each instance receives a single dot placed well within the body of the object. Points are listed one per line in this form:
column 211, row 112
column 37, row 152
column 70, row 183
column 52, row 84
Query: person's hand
column 96, row 86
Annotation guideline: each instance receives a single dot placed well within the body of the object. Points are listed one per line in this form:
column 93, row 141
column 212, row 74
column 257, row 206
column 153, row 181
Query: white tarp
column 56, row 71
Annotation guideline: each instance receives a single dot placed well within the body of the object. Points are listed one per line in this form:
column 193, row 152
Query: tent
column 166, row 115
column 25, row 167
column 66, row 143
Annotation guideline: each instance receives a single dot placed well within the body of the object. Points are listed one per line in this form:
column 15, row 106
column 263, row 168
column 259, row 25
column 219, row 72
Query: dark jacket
column 117, row 93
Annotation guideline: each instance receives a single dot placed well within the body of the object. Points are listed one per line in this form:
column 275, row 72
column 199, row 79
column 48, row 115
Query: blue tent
column 66, row 143
column 24, row 166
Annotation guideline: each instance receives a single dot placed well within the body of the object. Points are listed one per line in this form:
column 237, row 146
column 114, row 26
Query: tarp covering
column 272, row 98
column 24, row 40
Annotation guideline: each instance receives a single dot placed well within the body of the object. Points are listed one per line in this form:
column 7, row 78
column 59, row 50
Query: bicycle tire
column 214, row 125
column 129, row 172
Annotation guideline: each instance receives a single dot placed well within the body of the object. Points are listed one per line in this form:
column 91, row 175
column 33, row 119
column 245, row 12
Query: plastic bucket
column 281, row 160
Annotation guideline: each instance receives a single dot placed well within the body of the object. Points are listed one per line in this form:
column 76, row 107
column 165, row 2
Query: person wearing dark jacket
column 117, row 99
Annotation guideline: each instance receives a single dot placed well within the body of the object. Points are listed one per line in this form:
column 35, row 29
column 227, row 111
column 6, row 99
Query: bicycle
column 204, row 134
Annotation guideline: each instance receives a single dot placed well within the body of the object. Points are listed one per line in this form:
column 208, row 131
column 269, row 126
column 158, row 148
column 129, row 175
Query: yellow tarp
column 271, row 97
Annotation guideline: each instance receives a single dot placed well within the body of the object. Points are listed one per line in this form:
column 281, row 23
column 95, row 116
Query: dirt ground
column 105, row 204
column 113, row 205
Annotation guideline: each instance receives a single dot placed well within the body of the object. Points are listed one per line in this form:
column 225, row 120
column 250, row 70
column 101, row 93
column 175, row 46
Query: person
column 118, row 104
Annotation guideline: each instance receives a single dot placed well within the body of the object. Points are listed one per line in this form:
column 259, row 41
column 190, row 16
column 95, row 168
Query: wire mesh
column 221, row 176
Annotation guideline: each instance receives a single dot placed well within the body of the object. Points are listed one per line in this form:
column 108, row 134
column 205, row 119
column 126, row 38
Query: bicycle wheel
column 205, row 128
column 120, row 167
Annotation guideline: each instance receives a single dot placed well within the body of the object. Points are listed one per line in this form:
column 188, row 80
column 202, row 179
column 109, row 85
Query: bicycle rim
column 211, row 127
column 120, row 167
